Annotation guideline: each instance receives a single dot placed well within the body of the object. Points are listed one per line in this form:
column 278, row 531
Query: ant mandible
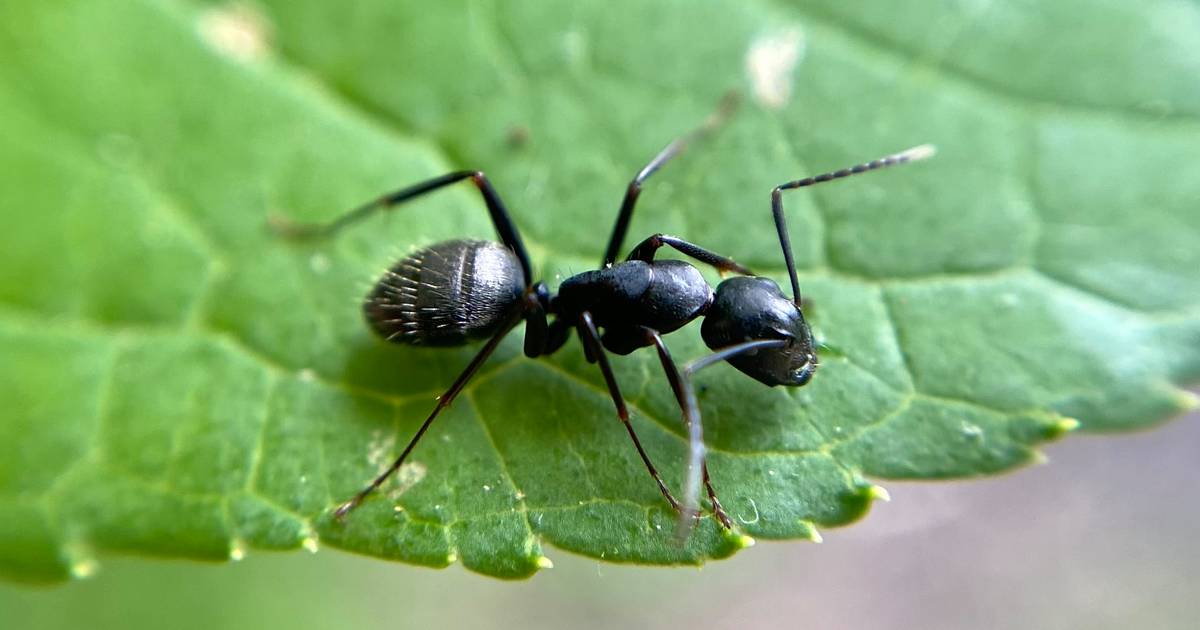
column 457, row 291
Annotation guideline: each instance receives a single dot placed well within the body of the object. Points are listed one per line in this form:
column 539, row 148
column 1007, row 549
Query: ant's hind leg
column 505, row 228
column 443, row 401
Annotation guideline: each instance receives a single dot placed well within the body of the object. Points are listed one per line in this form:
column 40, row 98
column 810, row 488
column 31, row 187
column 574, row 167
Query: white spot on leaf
column 319, row 263
column 575, row 46
column 237, row 30
column 380, row 449
column 770, row 62
column 409, row 475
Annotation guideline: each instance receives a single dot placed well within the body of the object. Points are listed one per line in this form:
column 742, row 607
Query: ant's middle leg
column 591, row 342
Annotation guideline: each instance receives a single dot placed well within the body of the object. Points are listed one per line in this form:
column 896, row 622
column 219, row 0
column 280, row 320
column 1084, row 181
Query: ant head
column 747, row 308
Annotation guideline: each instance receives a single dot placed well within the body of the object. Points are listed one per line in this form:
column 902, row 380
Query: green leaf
column 176, row 381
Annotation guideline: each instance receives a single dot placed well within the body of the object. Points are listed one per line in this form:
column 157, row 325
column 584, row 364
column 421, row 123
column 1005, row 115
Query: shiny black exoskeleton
column 457, row 291
column 661, row 294
column 447, row 294
column 748, row 308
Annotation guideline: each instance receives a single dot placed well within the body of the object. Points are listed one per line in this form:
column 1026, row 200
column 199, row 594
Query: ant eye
column 803, row 374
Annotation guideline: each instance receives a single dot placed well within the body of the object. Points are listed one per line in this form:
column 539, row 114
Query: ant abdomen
column 446, row 294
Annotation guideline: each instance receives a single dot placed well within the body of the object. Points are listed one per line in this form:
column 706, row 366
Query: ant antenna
column 911, row 155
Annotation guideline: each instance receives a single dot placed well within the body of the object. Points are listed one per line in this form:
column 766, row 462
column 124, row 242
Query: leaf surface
column 176, row 381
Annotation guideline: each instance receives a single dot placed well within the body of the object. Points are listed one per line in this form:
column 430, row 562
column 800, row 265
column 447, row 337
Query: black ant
column 456, row 291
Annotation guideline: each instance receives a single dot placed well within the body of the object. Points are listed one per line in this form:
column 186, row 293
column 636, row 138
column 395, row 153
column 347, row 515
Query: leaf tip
column 83, row 569
column 1062, row 426
column 82, row 564
column 1187, row 401
column 237, row 550
column 451, row 558
column 809, row 532
column 309, row 543
column 743, row 541
column 543, row 562
column 877, row 492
